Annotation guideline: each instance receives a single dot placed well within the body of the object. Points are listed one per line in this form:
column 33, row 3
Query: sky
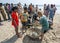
column 39, row 2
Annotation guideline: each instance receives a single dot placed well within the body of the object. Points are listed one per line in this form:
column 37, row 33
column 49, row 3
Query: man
column 7, row 8
column 44, row 22
column 3, row 12
column 51, row 15
column 51, row 12
column 19, row 8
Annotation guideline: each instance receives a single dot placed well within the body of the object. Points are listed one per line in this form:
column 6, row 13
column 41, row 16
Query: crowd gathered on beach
column 27, row 15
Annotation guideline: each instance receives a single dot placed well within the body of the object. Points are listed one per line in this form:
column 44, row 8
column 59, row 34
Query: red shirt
column 15, row 17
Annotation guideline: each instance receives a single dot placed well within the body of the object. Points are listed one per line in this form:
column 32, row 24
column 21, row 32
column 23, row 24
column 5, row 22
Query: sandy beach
column 7, row 33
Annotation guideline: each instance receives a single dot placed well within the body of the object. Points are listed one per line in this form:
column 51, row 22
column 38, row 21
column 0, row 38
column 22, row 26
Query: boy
column 15, row 20
column 24, row 19
column 45, row 25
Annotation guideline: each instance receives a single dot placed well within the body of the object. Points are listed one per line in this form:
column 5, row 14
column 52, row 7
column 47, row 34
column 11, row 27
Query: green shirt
column 44, row 22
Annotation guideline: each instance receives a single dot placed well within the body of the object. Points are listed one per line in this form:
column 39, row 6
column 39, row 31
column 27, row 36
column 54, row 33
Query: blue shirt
column 51, row 13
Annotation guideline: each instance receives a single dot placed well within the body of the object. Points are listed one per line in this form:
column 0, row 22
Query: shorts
column 24, row 23
column 44, row 31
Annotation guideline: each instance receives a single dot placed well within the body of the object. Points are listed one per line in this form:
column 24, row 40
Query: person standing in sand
column 15, row 20
column 51, row 12
column 3, row 12
column 19, row 8
column 36, row 8
column 7, row 8
column 46, row 10
column 24, row 19
column 44, row 22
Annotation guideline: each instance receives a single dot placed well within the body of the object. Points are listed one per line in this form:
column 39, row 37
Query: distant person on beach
column 54, row 7
column 46, row 8
column 7, row 8
column 51, row 12
column 11, row 6
column 15, row 20
column 3, row 12
column 44, row 22
column 51, row 16
column 30, row 9
column 33, row 9
column 25, row 6
column 19, row 8
column 36, row 8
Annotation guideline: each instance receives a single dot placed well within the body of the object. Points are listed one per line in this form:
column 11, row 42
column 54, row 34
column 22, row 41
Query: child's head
column 25, row 10
column 15, row 9
column 39, row 14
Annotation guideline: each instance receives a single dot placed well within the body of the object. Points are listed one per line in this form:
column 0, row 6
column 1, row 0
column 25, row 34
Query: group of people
column 49, row 11
column 28, row 15
column 5, row 11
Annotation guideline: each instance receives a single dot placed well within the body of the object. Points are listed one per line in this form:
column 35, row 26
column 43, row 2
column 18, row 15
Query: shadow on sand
column 27, row 39
column 11, row 40
column 1, row 24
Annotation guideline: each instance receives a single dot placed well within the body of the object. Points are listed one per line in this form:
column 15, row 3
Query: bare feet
column 19, row 35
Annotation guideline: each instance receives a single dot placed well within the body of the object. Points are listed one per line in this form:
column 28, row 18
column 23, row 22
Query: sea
column 57, row 6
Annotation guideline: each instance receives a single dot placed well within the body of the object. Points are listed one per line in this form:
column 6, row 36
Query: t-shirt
column 44, row 22
column 15, row 17
column 51, row 13
column 24, row 17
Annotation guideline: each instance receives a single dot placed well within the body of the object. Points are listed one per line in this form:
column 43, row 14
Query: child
column 45, row 25
column 24, row 19
column 15, row 20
